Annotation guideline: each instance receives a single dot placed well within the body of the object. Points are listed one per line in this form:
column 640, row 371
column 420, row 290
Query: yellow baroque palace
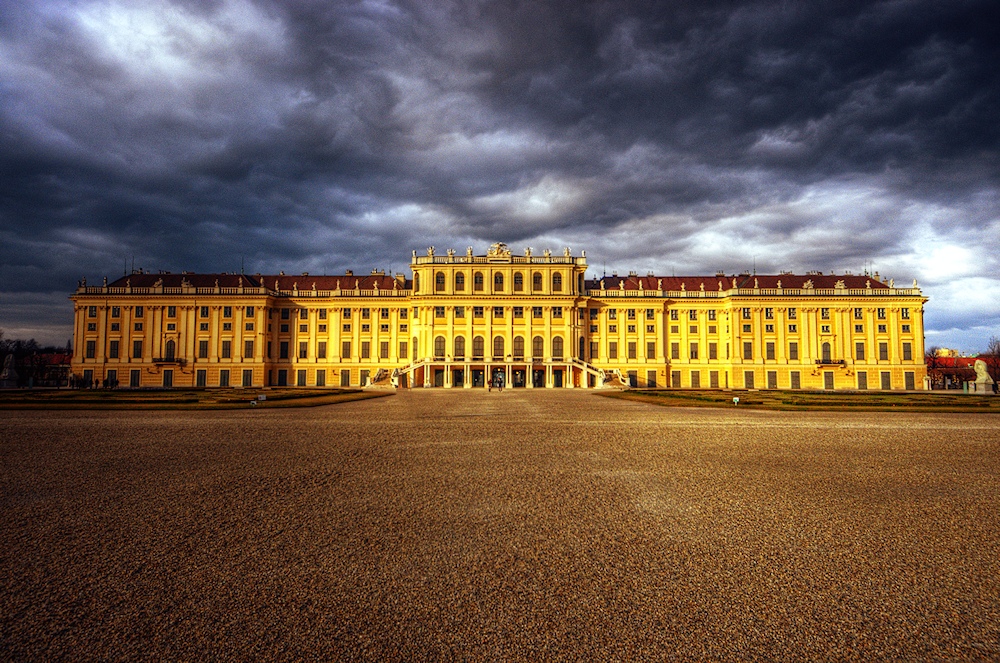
column 531, row 321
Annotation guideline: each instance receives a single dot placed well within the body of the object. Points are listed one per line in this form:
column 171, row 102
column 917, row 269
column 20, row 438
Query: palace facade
column 532, row 321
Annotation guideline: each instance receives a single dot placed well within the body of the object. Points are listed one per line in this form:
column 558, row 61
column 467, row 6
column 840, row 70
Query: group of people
column 497, row 382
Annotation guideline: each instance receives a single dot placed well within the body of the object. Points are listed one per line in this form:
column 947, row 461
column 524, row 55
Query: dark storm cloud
column 320, row 135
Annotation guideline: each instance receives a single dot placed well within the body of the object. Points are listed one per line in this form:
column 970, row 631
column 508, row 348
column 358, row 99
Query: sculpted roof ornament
column 808, row 284
column 430, row 251
column 839, row 284
column 498, row 250
column 567, row 252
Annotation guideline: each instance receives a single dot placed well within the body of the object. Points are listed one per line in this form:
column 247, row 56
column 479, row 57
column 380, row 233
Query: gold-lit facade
column 466, row 320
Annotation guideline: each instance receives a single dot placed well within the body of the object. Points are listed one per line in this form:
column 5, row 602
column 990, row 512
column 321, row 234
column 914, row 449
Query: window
column 321, row 350
column 346, row 328
column 693, row 351
column 824, row 329
column 320, row 377
column 227, row 349
column 248, row 349
column 746, row 313
column 557, row 311
column 675, row 350
column 459, row 311
column 459, row 347
column 675, row 329
column 883, row 351
column 593, row 314
column 345, row 377
column 203, row 326
column 381, row 328
column 673, row 314
column 769, row 329
column 769, row 351
column 366, row 314
column 631, row 350
column 769, row 314
column 518, row 347
column 460, row 282
column 477, row 311
column 477, row 281
column 136, row 349
column 403, row 350
column 696, row 379
column 748, row 350
column 886, row 380
column 824, row 314
column 675, row 379
column 649, row 328
column 748, row 379
column 498, row 282
column 402, row 314
column 283, row 350
column 711, row 329
column 345, row 349
column 202, row 349
column 201, row 378
column 859, row 351
column 650, row 314
column 713, row 350
column 631, row 329
column 859, row 314
column 438, row 311
column 518, row 282
column 227, row 311
column 713, row 379
column 795, row 380
column 113, row 350
column 594, row 349
column 904, row 313
column 498, row 347
column 91, row 326
column 303, row 329
column 536, row 282
column 693, row 315
column 224, row 378
column 439, row 347
column 613, row 350
column 347, row 314
column 322, row 313
column 203, row 312
column 906, row 328
column 140, row 311
column 881, row 329
column 498, row 312
column 91, row 349
column 792, row 314
column 439, row 282
column 862, row 380
column 793, row 351
column 416, row 283
column 907, row 352
column 537, row 347
column 827, row 357
column 518, row 312
column 793, row 328
column 300, row 378
column 116, row 326
column 859, row 329
column 366, row 349
column 880, row 313
column 557, row 282
column 91, row 311
column 650, row 349
column 249, row 312
column 366, row 328
column 322, row 328
column 536, row 311
column 612, row 314
column 630, row 314
column 747, row 329
column 478, row 347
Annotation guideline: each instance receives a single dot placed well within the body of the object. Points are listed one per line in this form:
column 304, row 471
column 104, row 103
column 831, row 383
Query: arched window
column 557, row 282
column 498, row 282
column 416, row 282
column 536, row 282
column 477, row 347
column 537, row 347
column 459, row 347
column 498, row 347
column 477, row 281
column 557, row 347
column 170, row 350
column 439, row 347
column 518, row 347
column 826, row 352
column 518, row 282
column 439, row 282
column 460, row 282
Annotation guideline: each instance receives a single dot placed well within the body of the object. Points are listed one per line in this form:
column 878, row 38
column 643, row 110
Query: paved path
column 527, row 525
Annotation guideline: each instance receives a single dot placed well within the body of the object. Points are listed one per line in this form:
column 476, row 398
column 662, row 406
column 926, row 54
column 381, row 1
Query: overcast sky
column 679, row 137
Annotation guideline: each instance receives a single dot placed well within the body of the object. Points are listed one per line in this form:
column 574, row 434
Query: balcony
column 831, row 362
column 169, row 360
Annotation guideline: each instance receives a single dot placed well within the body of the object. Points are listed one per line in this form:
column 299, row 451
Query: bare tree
column 992, row 357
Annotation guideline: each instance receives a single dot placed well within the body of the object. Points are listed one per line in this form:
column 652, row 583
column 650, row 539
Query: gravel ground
column 527, row 525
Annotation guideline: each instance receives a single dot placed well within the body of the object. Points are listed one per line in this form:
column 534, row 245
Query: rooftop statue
column 498, row 250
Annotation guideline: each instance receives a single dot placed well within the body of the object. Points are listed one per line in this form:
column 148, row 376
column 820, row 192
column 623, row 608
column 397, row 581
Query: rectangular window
column 880, row 313
column 321, row 350
column 748, row 349
column 346, row 329
column 612, row 328
column 675, row 350
column 675, row 379
column 904, row 313
column 402, row 313
column 909, row 382
column 227, row 326
column 772, row 379
column 91, row 349
column 793, row 351
column 906, row 328
column 203, row 312
column 651, row 379
column 825, row 329
column 631, row 329
column 283, row 350
column 202, row 349
column 383, row 350
column 227, row 349
column 612, row 314
column 859, row 329
column 650, row 314
column 557, row 311
column 631, row 314
column 248, row 349
column 366, row 328
column 747, row 329
column 134, row 378
column 795, row 379
column 883, row 352
column 793, row 328
column 769, row 314
column 204, row 327
column 859, row 351
column 881, row 329
column 859, row 314
column 693, row 329
column 137, row 326
column 748, row 379
column 673, row 314
column 746, row 313
column 247, row 377
column 438, row 311
column 300, row 378
column 650, row 349
column 224, row 377
column 769, row 351
column 769, row 329
column 364, row 376
column 477, row 312
column 303, row 329
column 346, row 314
column 711, row 314
column 696, row 379
column 536, row 311
column 791, row 314
column 345, row 377
column 139, row 311
column 383, row 313
column 693, row 351
column 613, row 350
column 322, row 328
column 201, row 378
column 320, row 377
column 824, row 314
column 631, row 350
column 693, row 315
column 828, row 379
column 136, row 349
column 886, row 380
column 115, row 326
column 862, row 380
column 403, row 349
column 366, row 314
column 498, row 312
column 594, row 350
column 91, row 326
column 907, row 352
column 713, row 350
column 459, row 311
column 713, row 379
column 366, row 350
column 227, row 311
column 113, row 350
column 91, row 311
column 518, row 312
column 345, row 349
column 248, row 313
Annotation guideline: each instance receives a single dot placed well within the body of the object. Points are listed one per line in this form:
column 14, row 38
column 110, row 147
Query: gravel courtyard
column 527, row 525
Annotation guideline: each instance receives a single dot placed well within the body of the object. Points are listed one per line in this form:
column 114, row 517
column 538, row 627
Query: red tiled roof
column 742, row 281
column 345, row 281
column 283, row 281
column 171, row 280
